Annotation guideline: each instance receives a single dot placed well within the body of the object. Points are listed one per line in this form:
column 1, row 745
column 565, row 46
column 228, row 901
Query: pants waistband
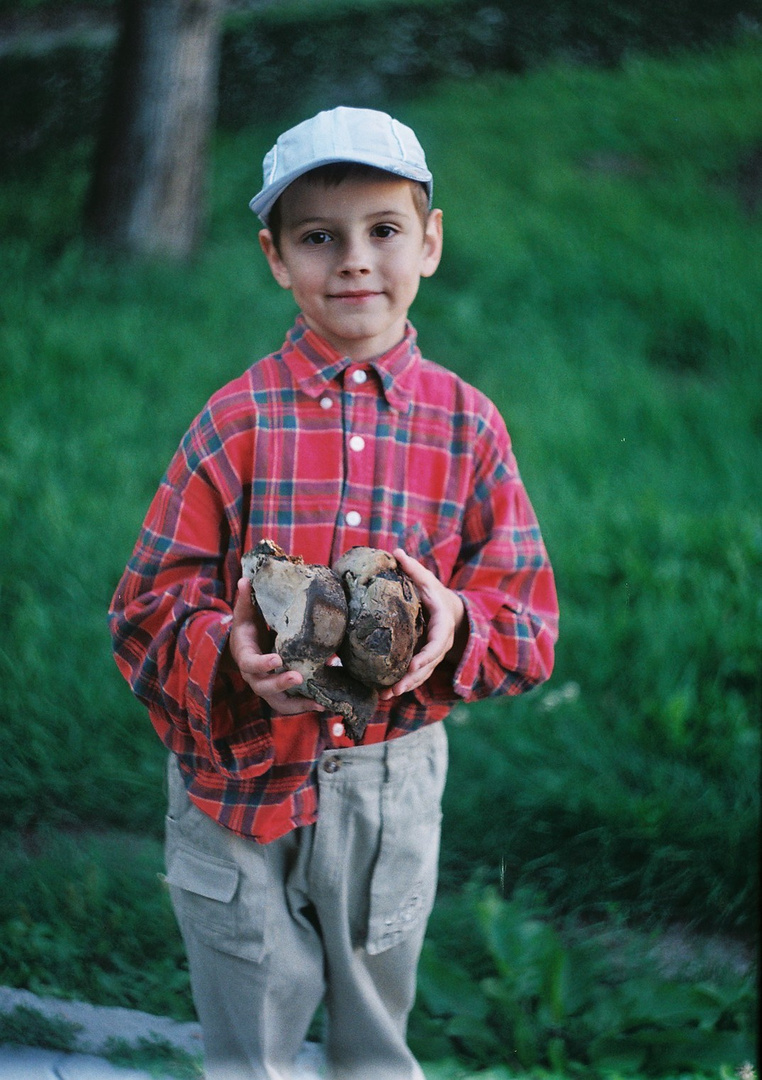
column 381, row 761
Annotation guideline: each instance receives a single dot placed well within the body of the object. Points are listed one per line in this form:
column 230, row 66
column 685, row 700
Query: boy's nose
column 355, row 258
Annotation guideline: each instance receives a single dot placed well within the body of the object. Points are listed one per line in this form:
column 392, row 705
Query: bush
column 541, row 1001
column 398, row 47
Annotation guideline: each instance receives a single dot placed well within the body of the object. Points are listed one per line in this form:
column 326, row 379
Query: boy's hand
column 261, row 670
column 447, row 626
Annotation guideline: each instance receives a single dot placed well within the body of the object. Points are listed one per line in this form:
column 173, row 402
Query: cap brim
column 263, row 201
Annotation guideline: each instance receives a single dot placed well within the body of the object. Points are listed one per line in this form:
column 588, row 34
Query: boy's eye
column 317, row 237
column 383, row 232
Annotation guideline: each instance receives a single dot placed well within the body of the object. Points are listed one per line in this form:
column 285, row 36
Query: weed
column 30, row 1027
column 157, row 1057
column 565, row 1005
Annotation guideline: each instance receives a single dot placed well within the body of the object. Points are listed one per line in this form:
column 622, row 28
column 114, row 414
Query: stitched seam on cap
column 395, row 125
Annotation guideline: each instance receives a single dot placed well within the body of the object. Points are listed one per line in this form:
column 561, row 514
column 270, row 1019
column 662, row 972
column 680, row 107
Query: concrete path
column 96, row 1026
column 28, row 1063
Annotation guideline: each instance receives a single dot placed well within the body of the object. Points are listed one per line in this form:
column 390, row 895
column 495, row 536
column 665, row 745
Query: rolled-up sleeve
column 504, row 577
column 171, row 612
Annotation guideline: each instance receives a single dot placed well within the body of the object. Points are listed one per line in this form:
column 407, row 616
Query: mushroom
column 385, row 616
column 305, row 605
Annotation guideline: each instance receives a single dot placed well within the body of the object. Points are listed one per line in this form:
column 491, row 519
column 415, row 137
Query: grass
column 29, row 1027
column 455, row 1071
column 82, row 914
column 157, row 1057
column 625, row 359
column 601, row 282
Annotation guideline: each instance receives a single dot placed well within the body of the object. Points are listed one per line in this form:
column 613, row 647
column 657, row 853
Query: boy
column 303, row 868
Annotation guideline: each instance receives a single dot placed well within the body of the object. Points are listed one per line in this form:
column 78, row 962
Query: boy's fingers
column 248, row 625
column 272, row 686
column 243, row 609
column 422, row 577
column 262, row 671
column 277, row 683
column 421, row 667
column 431, row 589
column 263, row 665
column 243, row 601
column 273, row 690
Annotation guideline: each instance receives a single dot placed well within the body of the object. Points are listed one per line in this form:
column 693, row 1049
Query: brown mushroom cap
column 385, row 618
column 305, row 605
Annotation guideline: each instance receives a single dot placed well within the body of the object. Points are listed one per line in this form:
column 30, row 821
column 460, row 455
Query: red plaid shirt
column 320, row 453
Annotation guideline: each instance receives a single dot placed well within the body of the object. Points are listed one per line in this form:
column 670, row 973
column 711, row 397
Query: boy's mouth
column 360, row 294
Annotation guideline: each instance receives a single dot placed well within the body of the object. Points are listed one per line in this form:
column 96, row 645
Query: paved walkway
column 95, row 1027
column 29, row 1063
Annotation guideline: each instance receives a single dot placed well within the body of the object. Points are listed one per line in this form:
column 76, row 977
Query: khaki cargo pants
column 332, row 912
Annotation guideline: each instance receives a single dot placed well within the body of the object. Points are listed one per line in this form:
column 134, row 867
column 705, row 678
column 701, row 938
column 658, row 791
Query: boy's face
column 353, row 256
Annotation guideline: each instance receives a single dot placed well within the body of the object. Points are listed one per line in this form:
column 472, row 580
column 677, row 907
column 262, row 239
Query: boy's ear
column 277, row 266
column 432, row 243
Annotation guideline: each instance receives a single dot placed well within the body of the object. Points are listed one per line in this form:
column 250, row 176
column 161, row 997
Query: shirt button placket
column 359, row 465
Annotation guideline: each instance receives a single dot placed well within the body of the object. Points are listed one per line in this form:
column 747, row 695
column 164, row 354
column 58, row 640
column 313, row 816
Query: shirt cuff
column 447, row 682
column 468, row 670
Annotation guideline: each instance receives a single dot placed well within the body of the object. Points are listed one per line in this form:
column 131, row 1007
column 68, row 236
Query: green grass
column 451, row 1070
column 615, row 309
column 29, row 1027
column 86, row 916
column 157, row 1057
column 601, row 282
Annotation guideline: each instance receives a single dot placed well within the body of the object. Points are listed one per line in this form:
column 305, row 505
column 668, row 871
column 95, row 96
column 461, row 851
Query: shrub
column 541, row 1001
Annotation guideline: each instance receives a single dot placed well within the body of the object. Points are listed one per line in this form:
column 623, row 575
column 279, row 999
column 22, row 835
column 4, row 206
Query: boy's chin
column 360, row 345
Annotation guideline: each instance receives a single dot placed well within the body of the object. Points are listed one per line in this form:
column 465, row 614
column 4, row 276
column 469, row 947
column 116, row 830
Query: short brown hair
column 334, row 174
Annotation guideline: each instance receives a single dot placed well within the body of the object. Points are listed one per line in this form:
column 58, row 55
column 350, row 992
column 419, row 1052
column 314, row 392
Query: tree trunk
column 147, row 191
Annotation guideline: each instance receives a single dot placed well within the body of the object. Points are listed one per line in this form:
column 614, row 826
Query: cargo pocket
column 404, row 880
column 218, row 901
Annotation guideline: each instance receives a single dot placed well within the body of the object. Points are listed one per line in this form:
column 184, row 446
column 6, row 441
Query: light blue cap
column 364, row 136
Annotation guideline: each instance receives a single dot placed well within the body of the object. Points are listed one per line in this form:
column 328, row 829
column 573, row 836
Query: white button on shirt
column 352, row 519
column 326, row 402
column 337, row 730
column 357, row 443
column 359, row 376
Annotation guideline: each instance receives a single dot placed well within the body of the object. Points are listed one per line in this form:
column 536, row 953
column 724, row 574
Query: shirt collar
column 314, row 363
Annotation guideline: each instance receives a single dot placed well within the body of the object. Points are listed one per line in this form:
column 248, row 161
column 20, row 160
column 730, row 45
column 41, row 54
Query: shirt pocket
column 218, row 899
column 404, row 880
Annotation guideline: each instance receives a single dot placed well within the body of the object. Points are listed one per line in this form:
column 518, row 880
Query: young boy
column 303, row 868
